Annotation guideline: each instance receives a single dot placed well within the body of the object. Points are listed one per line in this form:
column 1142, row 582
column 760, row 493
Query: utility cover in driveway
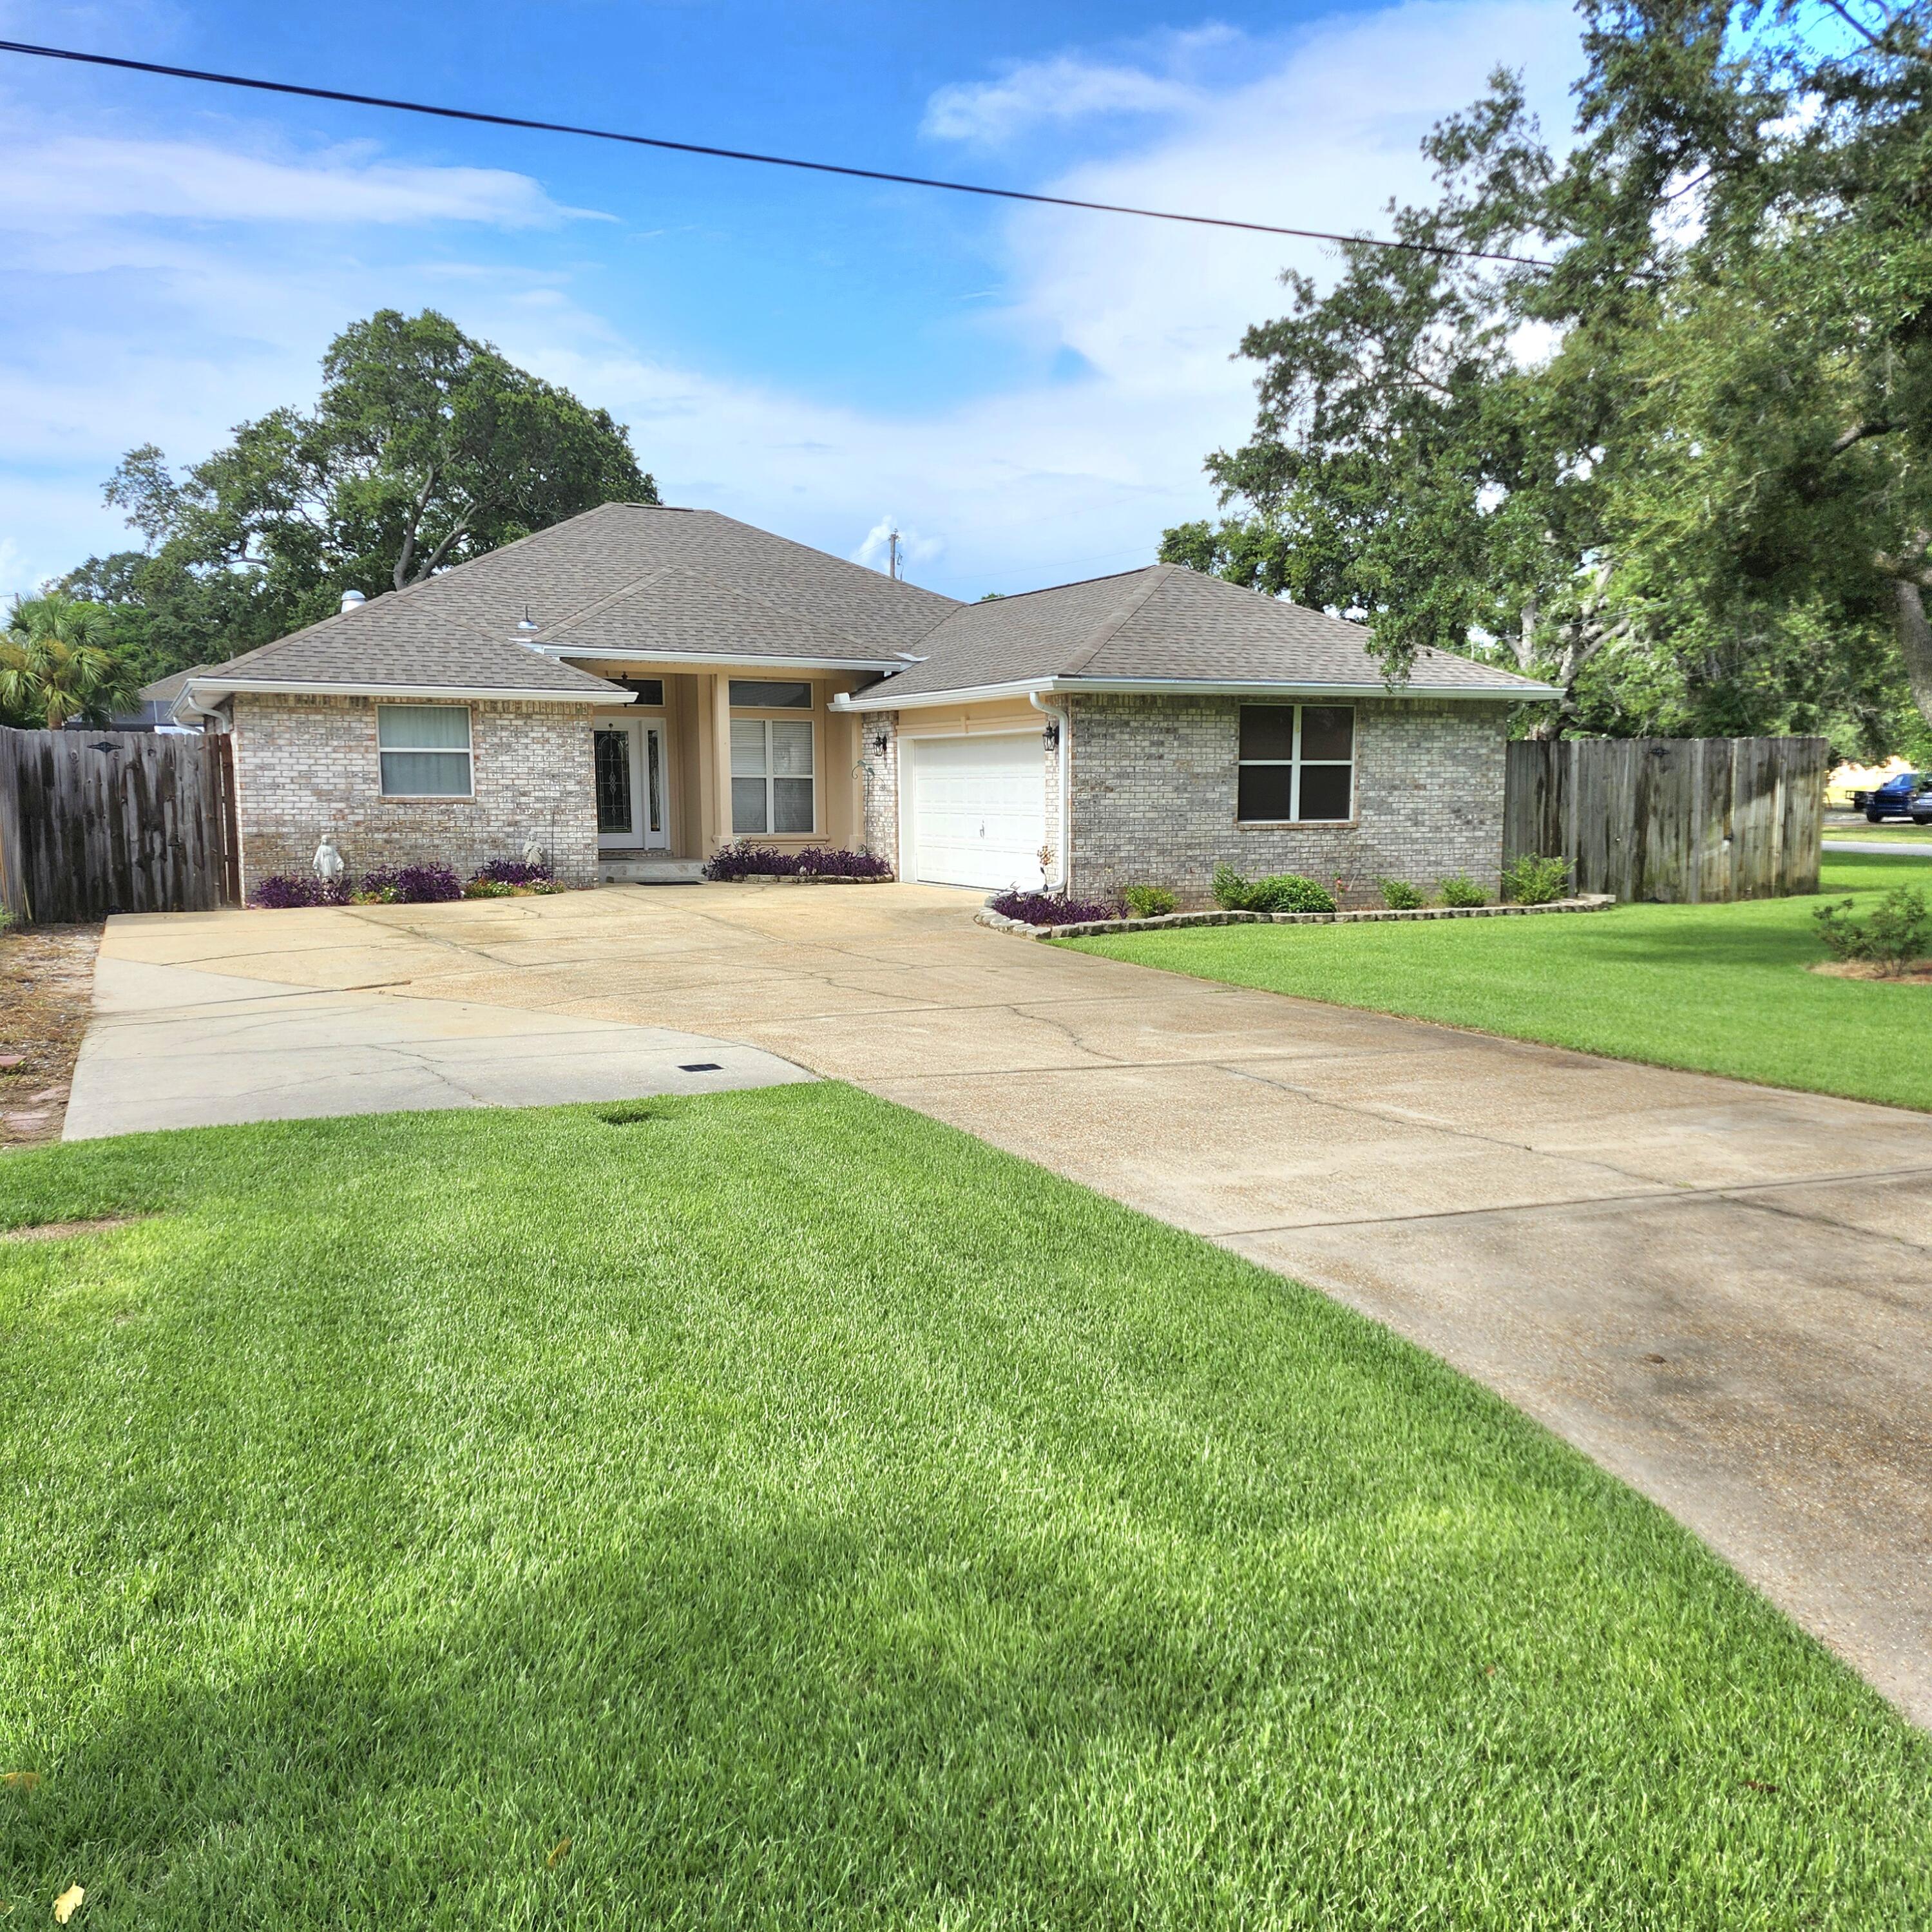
column 979, row 812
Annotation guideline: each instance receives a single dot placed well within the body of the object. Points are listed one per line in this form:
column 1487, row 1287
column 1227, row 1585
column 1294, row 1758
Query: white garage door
column 979, row 812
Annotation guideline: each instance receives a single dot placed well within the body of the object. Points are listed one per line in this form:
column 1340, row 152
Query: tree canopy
column 57, row 662
column 1681, row 467
column 425, row 448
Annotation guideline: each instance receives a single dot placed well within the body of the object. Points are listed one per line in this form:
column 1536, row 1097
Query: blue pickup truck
column 1903, row 795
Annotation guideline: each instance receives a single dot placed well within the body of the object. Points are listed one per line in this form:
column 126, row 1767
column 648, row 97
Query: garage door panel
column 979, row 810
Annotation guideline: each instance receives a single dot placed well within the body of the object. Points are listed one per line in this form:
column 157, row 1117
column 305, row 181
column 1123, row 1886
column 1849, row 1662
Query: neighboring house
column 639, row 686
column 154, row 709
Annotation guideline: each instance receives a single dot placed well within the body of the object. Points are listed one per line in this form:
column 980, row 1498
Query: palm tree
column 56, row 659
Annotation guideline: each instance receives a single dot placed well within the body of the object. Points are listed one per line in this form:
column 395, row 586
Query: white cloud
column 1034, row 482
column 47, row 184
column 1062, row 90
column 876, row 549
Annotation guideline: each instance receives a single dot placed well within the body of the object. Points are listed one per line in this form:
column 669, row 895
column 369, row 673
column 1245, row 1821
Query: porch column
column 719, row 743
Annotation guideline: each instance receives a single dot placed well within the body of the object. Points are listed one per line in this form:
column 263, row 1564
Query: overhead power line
column 742, row 155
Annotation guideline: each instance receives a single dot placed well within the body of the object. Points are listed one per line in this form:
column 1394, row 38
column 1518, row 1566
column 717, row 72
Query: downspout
column 1063, row 718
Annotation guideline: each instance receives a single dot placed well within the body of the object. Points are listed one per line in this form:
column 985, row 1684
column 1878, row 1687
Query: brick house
column 640, row 686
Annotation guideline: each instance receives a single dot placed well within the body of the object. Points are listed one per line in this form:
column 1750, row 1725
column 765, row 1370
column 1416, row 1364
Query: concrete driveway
column 1722, row 1292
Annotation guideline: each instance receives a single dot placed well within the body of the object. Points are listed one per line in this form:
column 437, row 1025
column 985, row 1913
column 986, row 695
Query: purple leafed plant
column 1054, row 908
column 412, row 885
column 747, row 861
column 511, row 872
column 288, row 889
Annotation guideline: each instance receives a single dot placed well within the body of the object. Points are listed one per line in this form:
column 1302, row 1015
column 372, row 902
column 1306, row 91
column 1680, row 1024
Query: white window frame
column 467, row 752
column 1295, row 762
column 741, row 715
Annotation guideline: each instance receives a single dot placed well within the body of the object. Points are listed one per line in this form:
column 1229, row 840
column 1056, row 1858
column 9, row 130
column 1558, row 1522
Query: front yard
column 779, row 1509
column 1716, row 989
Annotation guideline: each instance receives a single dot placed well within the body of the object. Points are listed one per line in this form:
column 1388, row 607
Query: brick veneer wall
column 305, row 766
column 1154, row 795
column 880, row 770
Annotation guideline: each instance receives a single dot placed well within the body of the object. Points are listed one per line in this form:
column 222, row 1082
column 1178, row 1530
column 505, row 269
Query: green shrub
column 1399, row 895
column 1149, row 901
column 1230, row 890
column 1459, row 889
column 1289, row 891
column 1530, row 880
column 1897, row 930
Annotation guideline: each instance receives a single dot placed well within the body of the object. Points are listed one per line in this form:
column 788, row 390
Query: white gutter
column 597, row 654
column 1064, row 764
column 882, row 697
column 185, row 698
column 217, row 688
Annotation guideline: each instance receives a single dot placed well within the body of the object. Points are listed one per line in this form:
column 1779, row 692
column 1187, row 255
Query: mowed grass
column 779, row 1510
column 1717, row 988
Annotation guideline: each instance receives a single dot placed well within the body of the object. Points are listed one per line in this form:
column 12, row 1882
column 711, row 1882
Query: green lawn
column 1721, row 988
column 816, row 1518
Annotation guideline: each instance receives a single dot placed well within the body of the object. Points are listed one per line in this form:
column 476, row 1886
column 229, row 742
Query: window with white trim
column 771, row 775
column 1296, row 764
column 424, row 750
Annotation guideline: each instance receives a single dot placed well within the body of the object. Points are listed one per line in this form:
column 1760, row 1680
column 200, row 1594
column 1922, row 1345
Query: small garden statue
column 328, row 866
column 533, row 853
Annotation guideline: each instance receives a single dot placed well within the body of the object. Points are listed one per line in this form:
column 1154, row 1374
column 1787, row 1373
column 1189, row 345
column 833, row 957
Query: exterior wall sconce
column 1050, row 735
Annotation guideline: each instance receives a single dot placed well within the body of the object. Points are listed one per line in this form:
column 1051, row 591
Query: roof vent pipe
column 353, row 600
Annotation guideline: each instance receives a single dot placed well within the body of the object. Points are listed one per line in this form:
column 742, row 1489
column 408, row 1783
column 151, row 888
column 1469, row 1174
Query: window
column 751, row 694
column 1297, row 762
column 771, row 775
column 650, row 690
column 424, row 750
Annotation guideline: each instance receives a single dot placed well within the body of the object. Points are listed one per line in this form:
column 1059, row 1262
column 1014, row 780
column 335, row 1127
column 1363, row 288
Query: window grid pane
column 1295, row 763
column 422, row 727
column 425, row 774
column 748, row 806
column 791, row 747
column 759, row 695
column 747, row 747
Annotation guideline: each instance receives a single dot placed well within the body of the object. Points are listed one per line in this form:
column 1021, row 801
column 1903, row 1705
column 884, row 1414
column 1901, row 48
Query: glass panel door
column 657, row 821
column 617, row 803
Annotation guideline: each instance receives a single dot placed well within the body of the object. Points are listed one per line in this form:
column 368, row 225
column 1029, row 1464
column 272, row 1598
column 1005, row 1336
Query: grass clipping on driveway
column 1714, row 988
column 778, row 1509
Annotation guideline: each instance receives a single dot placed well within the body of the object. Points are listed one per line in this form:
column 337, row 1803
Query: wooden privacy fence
column 1672, row 819
column 95, row 822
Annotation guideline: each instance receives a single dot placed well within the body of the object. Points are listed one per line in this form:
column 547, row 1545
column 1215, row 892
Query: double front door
column 631, row 787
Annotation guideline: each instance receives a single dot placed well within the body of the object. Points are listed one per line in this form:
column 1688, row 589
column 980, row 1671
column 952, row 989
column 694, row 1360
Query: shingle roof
column 683, row 584
column 1166, row 624
column 625, row 576
column 165, row 690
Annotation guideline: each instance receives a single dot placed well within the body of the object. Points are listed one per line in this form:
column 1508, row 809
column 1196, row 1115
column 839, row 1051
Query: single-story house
column 640, row 686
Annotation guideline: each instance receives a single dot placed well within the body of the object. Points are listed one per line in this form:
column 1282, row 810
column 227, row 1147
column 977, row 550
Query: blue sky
column 1027, row 393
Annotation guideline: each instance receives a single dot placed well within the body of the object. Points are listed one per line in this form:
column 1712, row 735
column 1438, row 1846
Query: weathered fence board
column 1672, row 818
column 95, row 822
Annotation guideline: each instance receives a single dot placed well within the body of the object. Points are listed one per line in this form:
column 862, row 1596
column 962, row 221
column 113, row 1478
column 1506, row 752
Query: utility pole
column 894, row 541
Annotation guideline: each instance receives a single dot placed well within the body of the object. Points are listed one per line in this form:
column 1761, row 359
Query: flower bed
column 745, row 860
column 1041, row 910
column 405, row 885
column 1085, row 929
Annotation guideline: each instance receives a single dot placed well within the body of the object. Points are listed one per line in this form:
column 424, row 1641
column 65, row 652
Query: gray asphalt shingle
column 630, row 577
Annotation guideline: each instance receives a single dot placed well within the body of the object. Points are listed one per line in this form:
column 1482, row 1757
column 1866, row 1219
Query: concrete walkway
column 1722, row 1292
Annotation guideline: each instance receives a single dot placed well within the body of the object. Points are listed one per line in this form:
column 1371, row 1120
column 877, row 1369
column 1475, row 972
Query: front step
column 657, row 870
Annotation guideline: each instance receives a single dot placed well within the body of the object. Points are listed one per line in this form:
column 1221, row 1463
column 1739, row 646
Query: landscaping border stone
column 1168, row 922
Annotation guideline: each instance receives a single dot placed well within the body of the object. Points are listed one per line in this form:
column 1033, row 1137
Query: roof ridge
column 785, row 613
column 1096, row 640
column 1072, row 583
column 598, row 603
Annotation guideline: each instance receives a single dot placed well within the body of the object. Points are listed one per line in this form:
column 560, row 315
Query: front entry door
column 632, row 785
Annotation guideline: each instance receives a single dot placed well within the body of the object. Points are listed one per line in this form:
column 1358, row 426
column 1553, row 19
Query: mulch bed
column 46, row 990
